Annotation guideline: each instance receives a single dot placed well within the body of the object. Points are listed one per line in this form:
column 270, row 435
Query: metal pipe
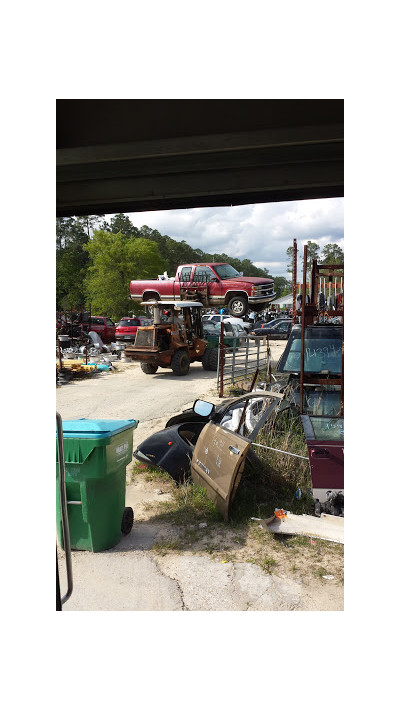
column 282, row 451
column 221, row 361
column 294, row 280
column 63, row 507
column 303, row 318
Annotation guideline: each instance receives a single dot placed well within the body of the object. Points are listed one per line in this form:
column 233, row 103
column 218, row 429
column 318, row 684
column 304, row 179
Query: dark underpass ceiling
column 135, row 155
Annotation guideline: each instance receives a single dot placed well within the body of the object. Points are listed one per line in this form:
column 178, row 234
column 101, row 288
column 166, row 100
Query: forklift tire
column 210, row 359
column 149, row 368
column 206, row 359
column 213, row 359
column 127, row 520
column 180, row 363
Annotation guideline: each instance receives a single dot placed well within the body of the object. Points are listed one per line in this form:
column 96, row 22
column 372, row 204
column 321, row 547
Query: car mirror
column 201, row 407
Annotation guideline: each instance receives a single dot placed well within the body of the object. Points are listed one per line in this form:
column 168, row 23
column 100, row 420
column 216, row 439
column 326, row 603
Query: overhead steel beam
column 267, row 165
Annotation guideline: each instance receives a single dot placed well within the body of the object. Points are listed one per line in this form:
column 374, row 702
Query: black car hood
column 171, row 449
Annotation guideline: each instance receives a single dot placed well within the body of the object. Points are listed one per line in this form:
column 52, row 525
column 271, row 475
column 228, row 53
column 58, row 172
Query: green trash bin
column 96, row 454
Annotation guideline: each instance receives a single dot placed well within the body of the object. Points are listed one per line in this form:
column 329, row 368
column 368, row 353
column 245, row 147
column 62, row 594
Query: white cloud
column 261, row 232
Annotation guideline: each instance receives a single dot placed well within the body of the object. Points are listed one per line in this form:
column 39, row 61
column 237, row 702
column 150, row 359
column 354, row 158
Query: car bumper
column 262, row 299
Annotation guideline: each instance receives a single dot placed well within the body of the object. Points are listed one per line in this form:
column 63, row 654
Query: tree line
column 96, row 260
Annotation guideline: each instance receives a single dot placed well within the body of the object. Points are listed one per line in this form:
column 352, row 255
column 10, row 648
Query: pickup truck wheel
column 149, row 368
column 238, row 306
column 180, row 363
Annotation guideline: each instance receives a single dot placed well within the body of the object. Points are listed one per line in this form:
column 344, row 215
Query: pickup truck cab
column 102, row 325
column 214, row 284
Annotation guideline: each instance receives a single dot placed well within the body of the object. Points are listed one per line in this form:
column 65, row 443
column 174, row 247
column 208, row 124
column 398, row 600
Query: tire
column 205, row 361
column 210, row 359
column 180, row 363
column 213, row 359
column 238, row 306
column 127, row 520
column 149, row 368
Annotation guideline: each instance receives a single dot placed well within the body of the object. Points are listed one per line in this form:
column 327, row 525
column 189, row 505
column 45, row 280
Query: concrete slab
column 124, row 581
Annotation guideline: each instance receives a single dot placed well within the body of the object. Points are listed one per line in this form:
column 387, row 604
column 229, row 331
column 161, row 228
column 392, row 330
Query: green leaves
column 115, row 260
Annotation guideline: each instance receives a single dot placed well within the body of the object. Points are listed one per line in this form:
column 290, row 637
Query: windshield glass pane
column 327, row 428
column 320, row 354
column 225, row 271
column 209, row 327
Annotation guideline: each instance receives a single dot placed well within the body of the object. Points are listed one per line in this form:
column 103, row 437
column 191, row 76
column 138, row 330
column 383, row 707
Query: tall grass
column 271, row 479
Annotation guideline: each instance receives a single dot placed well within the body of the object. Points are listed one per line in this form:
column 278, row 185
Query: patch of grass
column 270, row 479
column 189, row 504
column 267, row 563
column 319, row 572
column 149, row 473
column 165, row 545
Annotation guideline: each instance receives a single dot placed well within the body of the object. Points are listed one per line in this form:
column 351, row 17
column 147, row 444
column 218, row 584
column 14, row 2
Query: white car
column 216, row 318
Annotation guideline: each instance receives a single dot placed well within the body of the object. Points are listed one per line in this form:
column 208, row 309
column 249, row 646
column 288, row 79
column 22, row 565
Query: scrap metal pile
column 75, row 358
column 211, row 444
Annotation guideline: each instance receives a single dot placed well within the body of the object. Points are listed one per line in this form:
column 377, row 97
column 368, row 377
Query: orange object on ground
column 280, row 513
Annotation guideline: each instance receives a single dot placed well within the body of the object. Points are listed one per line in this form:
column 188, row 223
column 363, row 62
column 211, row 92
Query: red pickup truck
column 103, row 326
column 212, row 283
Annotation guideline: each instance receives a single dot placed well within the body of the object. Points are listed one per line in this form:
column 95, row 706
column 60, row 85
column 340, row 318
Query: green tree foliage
column 332, row 254
column 282, row 286
column 121, row 223
column 114, row 261
column 72, row 261
column 289, row 252
column 312, row 253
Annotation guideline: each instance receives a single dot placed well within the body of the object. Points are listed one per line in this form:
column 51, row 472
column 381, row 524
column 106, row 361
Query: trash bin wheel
column 127, row 520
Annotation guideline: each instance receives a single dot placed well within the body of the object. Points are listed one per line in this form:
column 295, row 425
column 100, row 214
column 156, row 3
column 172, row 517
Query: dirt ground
column 178, row 565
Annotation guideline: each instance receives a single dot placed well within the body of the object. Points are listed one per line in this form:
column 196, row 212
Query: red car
column 103, row 326
column 128, row 325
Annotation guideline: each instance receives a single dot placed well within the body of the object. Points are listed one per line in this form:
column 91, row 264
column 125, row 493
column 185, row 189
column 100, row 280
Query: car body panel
column 171, row 449
column 104, row 326
column 325, row 443
column 128, row 326
column 219, row 454
column 279, row 329
column 218, row 462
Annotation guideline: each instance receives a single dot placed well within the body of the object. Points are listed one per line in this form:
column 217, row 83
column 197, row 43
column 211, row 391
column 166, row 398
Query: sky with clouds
column 261, row 232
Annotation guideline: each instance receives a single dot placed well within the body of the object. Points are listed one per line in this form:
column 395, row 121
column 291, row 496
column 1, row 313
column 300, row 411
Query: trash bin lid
column 95, row 429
